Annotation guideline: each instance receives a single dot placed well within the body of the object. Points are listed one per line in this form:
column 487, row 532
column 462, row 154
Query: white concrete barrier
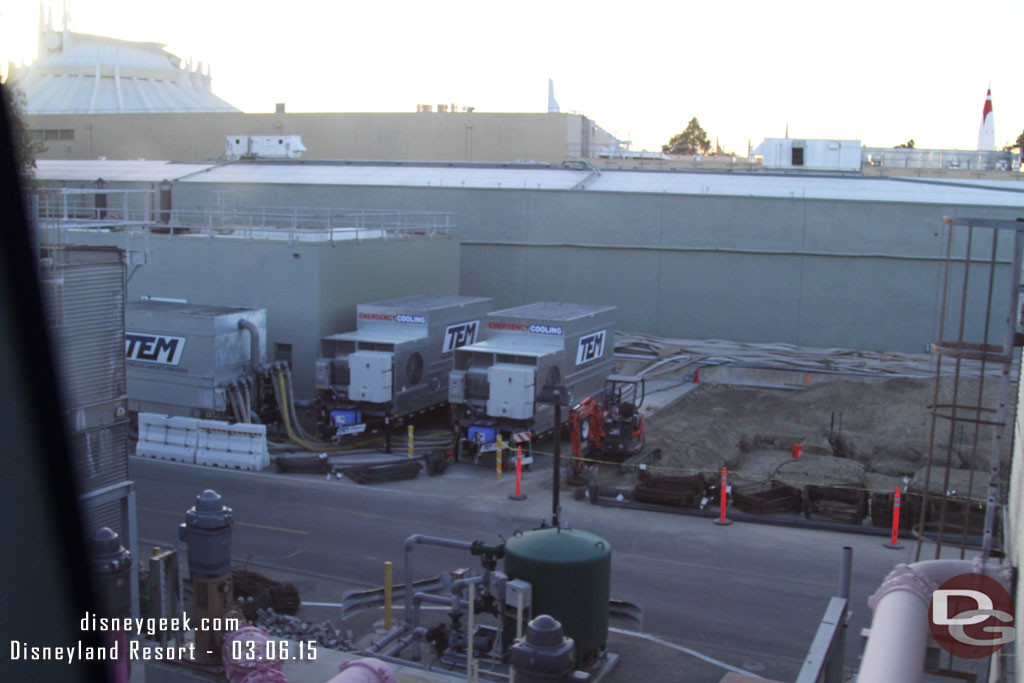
column 203, row 442
column 167, row 438
column 234, row 446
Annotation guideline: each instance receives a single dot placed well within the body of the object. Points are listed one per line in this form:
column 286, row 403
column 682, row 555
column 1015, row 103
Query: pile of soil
column 872, row 433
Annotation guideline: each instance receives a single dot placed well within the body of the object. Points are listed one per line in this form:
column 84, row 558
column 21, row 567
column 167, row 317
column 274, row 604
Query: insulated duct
column 897, row 644
column 254, row 345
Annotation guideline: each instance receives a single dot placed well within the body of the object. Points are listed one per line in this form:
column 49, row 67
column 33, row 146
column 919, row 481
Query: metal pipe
column 232, row 397
column 410, row 544
column 557, row 437
column 470, row 664
column 246, row 398
column 417, row 635
column 254, row 344
column 388, row 582
column 395, row 633
column 834, row 672
column 895, row 650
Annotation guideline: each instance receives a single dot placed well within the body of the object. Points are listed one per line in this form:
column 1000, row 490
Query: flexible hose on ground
column 290, row 398
column 778, row 356
column 233, row 398
column 285, row 410
column 246, row 399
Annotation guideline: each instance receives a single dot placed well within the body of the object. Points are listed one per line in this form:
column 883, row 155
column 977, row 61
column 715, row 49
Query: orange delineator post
column 723, row 495
column 519, row 475
column 895, row 541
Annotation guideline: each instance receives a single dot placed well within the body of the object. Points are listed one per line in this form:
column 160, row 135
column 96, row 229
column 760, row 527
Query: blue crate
column 344, row 418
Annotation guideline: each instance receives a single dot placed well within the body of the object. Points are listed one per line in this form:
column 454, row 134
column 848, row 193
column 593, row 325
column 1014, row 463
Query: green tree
column 25, row 148
column 909, row 144
column 1019, row 144
column 692, row 140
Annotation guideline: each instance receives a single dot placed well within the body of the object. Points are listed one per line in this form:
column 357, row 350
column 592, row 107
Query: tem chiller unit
column 495, row 383
column 395, row 364
column 196, row 360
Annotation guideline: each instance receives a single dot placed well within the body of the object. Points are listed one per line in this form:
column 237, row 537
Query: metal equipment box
column 512, row 391
column 495, row 382
column 396, row 362
column 370, row 376
column 180, row 356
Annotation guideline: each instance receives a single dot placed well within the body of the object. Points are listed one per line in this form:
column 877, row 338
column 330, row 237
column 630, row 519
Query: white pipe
column 896, row 646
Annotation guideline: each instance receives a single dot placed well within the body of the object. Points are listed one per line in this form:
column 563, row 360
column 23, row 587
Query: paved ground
column 747, row 596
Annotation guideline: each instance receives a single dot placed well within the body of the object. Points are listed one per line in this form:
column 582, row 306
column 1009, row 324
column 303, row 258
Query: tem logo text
column 153, row 348
column 458, row 335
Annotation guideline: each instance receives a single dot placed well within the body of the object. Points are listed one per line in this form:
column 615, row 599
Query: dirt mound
column 847, row 428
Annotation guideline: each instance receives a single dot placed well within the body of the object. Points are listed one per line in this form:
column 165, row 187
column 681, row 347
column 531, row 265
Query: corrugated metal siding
column 85, row 295
column 100, row 456
column 86, row 301
column 105, row 515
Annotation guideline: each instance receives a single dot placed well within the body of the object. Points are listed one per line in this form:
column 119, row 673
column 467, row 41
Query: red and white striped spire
column 987, row 132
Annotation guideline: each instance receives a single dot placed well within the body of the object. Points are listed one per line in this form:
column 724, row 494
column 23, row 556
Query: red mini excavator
column 609, row 426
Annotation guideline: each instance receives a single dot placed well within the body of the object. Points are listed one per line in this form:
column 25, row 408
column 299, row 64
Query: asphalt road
column 749, row 595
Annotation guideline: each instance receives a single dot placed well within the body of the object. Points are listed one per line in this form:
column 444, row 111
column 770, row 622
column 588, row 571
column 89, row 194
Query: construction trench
column 858, row 439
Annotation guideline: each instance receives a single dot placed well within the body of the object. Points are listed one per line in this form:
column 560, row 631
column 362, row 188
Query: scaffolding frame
column 961, row 413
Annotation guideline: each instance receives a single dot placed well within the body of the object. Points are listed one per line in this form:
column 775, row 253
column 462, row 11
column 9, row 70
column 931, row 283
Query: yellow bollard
column 387, row 594
column 411, row 451
column 497, row 457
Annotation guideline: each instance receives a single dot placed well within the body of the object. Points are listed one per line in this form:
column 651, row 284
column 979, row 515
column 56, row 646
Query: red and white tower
column 987, row 132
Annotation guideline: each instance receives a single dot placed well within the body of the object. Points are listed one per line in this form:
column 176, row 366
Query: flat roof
column 519, row 345
column 408, row 174
column 115, row 171
column 551, row 310
column 183, row 308
column 427, row 302
column 387, row 334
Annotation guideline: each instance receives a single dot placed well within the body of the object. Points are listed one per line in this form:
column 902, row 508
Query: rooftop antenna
column 787, row 130
column 987, row 131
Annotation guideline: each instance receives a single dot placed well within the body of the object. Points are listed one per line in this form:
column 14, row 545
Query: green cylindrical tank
column 570, row 571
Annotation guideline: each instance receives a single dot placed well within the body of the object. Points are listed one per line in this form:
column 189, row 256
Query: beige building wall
column 427, row 136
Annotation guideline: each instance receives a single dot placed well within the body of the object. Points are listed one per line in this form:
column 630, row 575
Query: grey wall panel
column 496, row 272
column 373, row 271
column 618, row 277
column 743, row 297
column 581, row 218
column 879, row 304
column 309, row 290
column 745, row 268
column 875, row 228
column 712, row 222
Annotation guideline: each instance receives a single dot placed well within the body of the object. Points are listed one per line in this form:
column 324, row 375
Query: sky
column 879, row 71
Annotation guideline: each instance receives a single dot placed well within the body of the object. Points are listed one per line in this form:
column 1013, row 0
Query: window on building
column 798, row 156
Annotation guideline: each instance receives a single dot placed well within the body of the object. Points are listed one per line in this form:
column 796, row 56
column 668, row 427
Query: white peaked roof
column 77, row 73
